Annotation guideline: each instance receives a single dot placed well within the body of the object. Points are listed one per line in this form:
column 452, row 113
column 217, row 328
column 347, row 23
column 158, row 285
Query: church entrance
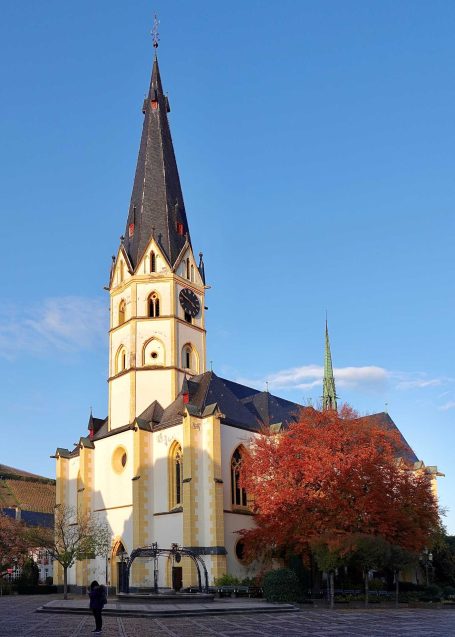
column 177, row 578
column 120, row 570
column 121, row 577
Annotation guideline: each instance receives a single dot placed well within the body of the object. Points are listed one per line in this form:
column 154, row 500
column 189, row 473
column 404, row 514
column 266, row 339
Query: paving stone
column 18, row 619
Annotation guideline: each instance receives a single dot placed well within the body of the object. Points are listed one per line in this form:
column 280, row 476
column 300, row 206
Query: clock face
column 189, row 302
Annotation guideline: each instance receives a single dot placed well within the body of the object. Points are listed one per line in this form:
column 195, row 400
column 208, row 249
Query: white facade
column 158, row 469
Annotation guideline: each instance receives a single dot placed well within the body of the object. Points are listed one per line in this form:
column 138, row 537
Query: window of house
column 238, row 493
column 153, row 305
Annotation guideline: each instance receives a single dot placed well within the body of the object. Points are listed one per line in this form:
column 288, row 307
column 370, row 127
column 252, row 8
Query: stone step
column 168, row 610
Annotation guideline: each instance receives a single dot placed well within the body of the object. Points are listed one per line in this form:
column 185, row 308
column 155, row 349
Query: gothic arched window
column 120, row 360
column 153, row 305
column 175, row 476
column 121, row 312
column 238, row 493
column 152, row 262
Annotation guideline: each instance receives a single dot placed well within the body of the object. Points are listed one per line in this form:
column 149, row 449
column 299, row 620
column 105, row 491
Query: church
column 163, row 466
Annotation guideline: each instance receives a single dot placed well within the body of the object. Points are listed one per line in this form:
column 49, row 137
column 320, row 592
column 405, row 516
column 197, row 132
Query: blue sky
column 315, row 146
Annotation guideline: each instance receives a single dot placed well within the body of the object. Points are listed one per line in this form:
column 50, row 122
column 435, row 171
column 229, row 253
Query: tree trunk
column 366, row 588
column 332, row 589
column 65, row 582
column 397, row 587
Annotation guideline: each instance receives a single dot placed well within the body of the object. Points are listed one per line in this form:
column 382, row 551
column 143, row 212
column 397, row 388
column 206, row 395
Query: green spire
column 329, row 395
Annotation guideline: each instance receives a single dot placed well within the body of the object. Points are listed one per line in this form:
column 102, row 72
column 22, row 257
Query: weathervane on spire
column 155, row 34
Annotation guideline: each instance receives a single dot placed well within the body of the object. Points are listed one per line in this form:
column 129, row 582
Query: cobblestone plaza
column 18, row 618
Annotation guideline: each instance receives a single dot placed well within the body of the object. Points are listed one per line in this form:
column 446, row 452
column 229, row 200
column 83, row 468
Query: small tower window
column 238, row 494
column 192, row 272
column 188, row 269
column 153, row 305
column 180, row 228
column 121, row 312
column 190, row 358
column 121, row 271
column 152, row 262
column 186, row 357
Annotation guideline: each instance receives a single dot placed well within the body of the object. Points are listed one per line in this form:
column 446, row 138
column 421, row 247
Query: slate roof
column 241, row 406
column 152, row 415
column 384, row 420
column 244, row 407
column 97, row 426
column 156, row 199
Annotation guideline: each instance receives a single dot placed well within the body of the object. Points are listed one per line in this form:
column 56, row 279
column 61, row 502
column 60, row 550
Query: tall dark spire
column 329, row 395
column 156, row 200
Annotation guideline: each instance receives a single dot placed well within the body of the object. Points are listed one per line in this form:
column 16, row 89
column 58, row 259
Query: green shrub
column 282, row 585
column 410, row 586
column 5, row 588
column 227, row 580
column 30, row 573
column 432, row 591
column 250, row 581
column 448, row 592
column 376, row 584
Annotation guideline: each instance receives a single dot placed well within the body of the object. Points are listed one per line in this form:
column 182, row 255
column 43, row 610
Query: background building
column 31, row 499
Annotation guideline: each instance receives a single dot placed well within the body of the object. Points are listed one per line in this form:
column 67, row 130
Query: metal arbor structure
column 154, row 552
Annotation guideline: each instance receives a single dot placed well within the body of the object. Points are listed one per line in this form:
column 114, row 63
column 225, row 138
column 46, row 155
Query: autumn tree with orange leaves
column 14, row 544
column 330, row 477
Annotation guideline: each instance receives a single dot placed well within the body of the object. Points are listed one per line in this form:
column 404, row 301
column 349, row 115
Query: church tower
column 329, row 395
column 157, row 325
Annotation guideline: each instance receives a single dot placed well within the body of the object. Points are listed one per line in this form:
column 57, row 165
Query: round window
column 119, row 459
column 154, row 355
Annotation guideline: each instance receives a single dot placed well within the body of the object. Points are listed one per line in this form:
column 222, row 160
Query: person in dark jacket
column 98, row 599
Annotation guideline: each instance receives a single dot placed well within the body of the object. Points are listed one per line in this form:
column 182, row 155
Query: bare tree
column 76, row 536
